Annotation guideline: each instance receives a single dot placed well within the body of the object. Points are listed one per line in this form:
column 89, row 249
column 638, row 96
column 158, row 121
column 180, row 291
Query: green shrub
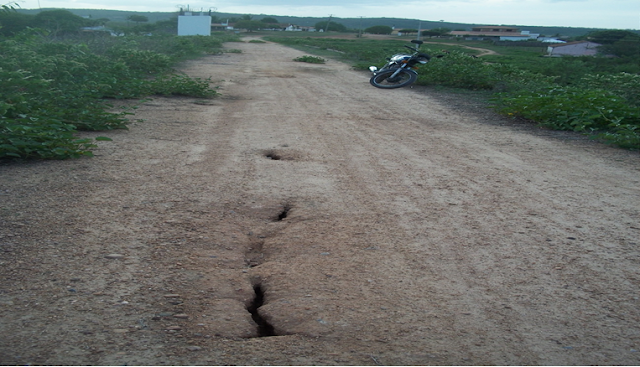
column 310, row 59
column 622, row 135
column 181, row 85
column 459, row 70
column 379, row 29
column 624, row 85
column 141, row 60
column 572, row 108
column 34, row 138
column 605, row 106
column 49, row 90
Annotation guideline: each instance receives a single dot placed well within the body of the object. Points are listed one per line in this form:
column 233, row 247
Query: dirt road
column 366, row 226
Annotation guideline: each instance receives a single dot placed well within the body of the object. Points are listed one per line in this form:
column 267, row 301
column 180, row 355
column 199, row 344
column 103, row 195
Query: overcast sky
column 619, row 14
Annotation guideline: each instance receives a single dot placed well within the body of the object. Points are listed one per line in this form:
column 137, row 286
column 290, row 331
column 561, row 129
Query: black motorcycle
column 400, row 70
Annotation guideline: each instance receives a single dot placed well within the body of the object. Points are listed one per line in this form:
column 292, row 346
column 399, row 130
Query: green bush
column 571, row 108
column 625, row 85
column 181, row 85
column 622, row 135
column 50, row 90
column 596, row 111
column 604, row 105
column 310, row 59
column 379, row 29
column 459, row 70
column 141, row 60
column 30, row 137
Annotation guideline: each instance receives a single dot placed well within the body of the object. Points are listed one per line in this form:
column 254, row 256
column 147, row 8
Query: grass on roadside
column 50, row 90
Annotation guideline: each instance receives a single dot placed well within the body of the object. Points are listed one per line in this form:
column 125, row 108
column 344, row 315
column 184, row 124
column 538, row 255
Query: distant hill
column 351, row 23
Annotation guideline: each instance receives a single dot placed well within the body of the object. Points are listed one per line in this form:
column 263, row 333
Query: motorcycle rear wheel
column 382, row 80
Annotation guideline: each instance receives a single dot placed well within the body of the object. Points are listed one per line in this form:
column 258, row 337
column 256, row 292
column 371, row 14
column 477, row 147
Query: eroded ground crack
column 273, row 155
column 254, row 257
column 264, row 327
column 284, row 213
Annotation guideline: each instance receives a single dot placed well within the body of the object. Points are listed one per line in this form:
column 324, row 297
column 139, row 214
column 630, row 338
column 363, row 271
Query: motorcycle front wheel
column 383, row 80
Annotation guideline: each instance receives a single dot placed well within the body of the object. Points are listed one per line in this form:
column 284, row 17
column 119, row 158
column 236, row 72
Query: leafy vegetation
column 8, row 8
column 605, row 106
column 250, row 25
column 595, row 95
column 435, row 32
column 138, row 18
column 269, row 20
column 49, row 90
column 63, row 23
column 310, row 59
column 379, row 29
column 331, row 26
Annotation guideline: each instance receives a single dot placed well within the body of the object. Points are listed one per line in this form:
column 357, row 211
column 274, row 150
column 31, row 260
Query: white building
column 191, row 24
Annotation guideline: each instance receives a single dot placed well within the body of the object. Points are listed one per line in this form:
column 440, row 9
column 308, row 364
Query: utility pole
column 326, row 28
column 419, row 29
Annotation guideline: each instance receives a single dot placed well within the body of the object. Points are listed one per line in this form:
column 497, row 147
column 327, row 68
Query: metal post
column 326, row 29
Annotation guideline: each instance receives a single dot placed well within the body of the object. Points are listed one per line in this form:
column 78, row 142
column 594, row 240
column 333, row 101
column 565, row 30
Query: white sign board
column 194, row 25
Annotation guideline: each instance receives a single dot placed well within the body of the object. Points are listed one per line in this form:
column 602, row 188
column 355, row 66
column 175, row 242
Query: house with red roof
column 495, row 33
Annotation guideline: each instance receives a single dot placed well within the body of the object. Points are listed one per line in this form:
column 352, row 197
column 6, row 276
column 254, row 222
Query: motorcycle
column 400, row 70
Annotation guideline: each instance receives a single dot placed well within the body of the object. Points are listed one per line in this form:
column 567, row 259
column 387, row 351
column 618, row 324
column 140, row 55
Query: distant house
column 293, row 28
column 495, row 33
column 224, row 26
column 297, row 28
column 579, row 48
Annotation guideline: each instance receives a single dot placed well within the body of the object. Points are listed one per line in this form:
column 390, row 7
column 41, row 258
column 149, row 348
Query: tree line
column 60, row 22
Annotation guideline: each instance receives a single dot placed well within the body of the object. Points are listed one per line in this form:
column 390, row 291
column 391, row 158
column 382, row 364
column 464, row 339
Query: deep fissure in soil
column 273, row 156
column 284, row 213
column 264, row 327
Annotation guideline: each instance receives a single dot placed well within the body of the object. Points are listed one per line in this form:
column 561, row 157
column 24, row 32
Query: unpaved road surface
column 367, row 226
